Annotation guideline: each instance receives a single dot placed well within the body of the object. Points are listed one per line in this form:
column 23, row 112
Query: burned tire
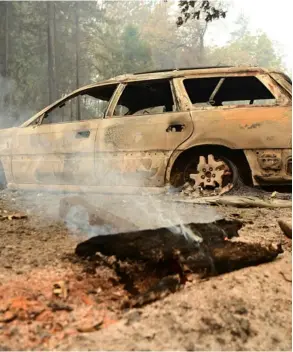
column 211, row 171
column 3, row 183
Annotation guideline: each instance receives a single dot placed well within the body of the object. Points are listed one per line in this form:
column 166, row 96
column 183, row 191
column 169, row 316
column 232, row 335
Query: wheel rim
column 210, row 172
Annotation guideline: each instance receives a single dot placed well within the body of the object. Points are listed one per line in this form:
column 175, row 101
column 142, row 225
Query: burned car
column 211, row 126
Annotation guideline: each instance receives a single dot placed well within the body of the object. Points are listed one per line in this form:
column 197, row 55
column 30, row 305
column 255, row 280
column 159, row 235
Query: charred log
column 157, row 244
column 214, row 253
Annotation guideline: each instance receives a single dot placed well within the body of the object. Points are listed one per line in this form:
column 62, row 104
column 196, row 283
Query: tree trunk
column 201, row 55
column 5, row 94
column 5, row 71
column 4, row 37
column 51, row 51
column 77, row 48
column 56, row 50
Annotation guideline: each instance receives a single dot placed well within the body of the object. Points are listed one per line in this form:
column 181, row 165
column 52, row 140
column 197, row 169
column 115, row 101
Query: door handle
column 83, row 134
column 175, row 128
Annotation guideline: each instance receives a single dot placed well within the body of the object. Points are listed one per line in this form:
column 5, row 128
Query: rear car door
column 240, row 111
column 145, row 125
column 58, row 148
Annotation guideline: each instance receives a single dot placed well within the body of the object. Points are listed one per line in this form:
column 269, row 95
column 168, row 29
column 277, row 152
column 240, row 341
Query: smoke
column 146, row 211
column 7, row 87
column 10, row 114
column 44, row 164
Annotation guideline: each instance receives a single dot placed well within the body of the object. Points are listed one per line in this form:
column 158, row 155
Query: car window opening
column 143, row 98
column 219, row 91
column 90, row 104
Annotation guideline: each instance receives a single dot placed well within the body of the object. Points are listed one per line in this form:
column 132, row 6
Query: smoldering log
column 157, row 244
column 228, row 256
column 215, row 252
column 211, row 251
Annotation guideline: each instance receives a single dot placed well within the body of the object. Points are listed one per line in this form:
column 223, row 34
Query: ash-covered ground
column 50, row 299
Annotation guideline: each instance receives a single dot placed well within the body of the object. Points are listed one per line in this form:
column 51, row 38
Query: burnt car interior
column 146, row 97
column 89, row 104
column 219, row 91
column 155, row 97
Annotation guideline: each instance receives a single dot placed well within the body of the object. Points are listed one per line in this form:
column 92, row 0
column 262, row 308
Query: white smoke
column 10, row 114
column 144, row 211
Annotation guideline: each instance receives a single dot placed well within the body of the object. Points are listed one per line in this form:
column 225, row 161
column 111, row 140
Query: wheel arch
column 237, row 156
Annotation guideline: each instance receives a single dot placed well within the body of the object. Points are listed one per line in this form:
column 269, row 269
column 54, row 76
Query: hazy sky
column 273, row 17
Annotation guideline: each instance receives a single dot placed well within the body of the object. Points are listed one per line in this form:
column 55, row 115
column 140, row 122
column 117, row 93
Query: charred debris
column 155, row 262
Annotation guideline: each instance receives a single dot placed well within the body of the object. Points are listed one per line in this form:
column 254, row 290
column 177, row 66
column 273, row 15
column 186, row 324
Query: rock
column 90, row 328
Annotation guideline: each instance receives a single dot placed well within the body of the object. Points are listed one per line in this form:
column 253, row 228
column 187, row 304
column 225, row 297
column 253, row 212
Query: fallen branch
column 240, row 202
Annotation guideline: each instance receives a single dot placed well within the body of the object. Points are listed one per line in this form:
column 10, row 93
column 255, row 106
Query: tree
column 135, row 52
column 4, row 37
column 255, row 50
column 117, row 46
column 51, row 51
column 77, row 49
column 197, row 9
column 242, row 29
column 48, row 49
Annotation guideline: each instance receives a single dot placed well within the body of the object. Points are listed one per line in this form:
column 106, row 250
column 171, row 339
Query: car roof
column 165, row 74
column 177, row 72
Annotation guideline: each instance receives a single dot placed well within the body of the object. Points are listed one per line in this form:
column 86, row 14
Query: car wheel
column 211, row 171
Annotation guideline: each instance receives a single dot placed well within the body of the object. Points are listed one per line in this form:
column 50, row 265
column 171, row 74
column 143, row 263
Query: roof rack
column 181, row 69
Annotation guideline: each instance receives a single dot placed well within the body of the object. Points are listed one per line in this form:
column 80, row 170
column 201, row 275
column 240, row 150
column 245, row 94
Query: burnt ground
column 50, row 299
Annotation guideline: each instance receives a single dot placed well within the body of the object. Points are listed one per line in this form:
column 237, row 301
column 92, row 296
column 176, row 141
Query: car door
column 59, row 150
column 145, row 126
column 239, row 112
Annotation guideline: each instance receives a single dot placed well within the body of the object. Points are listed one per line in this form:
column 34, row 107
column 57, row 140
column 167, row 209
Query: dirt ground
column 50, row 299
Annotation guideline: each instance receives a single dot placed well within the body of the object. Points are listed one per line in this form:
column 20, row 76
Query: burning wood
column 157, row 244
column 161, row 244
column 166, row 255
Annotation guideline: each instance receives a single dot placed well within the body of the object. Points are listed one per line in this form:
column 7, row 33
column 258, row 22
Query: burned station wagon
column 211, row 126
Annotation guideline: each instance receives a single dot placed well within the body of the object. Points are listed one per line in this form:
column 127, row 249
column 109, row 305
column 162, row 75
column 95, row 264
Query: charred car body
column 209, row 125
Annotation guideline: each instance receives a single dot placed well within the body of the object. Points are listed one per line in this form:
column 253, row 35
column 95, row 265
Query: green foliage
column 254, row 50
column 135, row 52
